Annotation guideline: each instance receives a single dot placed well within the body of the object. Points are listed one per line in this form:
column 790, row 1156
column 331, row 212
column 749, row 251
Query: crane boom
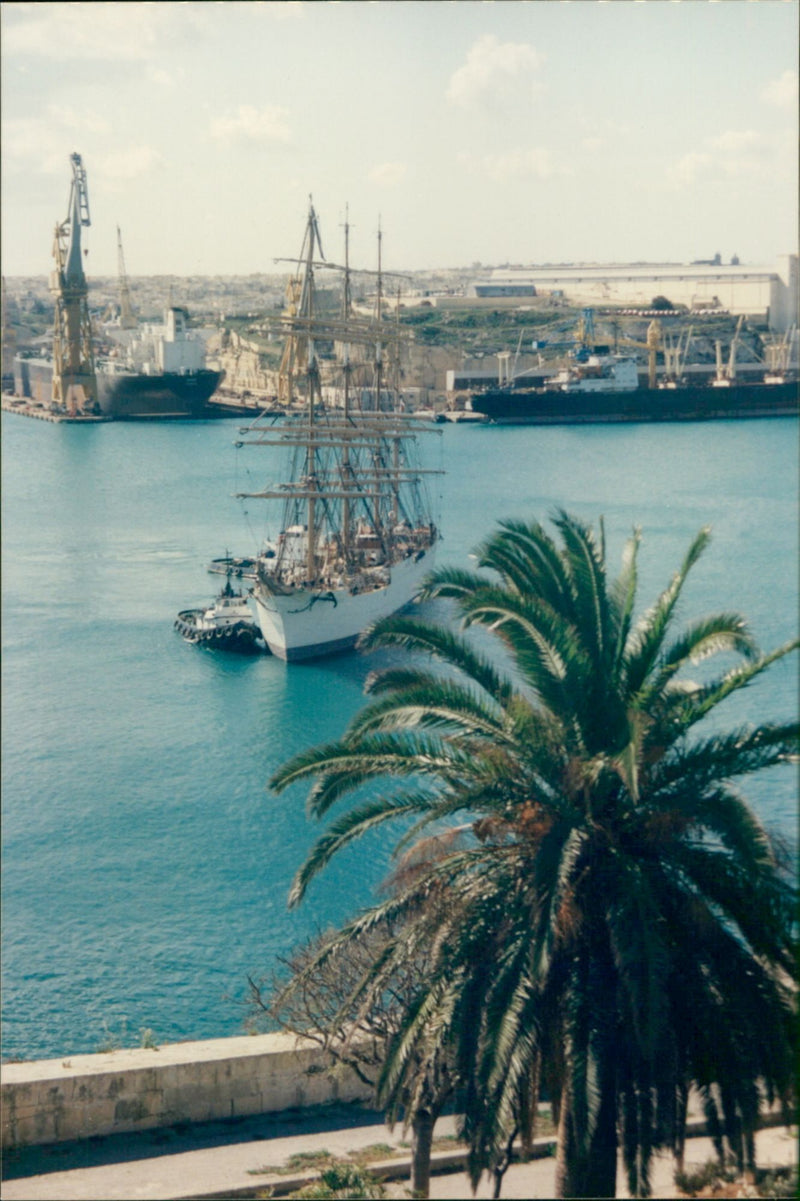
column 127, row 320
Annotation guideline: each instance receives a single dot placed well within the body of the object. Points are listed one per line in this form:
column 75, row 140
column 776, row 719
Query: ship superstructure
column 356, row 531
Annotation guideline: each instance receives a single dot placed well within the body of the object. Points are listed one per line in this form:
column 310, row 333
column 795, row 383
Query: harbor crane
column 127, row 318
column 652, row 344
column 779, row 356
column 726, row 375
column 675, row 354
column 74, row 378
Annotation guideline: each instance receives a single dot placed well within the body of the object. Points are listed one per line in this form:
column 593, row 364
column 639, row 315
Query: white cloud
column 690, row 167
column 493, row 68
column 88, row 31
column 782, row 91
column 160, row 77
column 253, row 125
column 738, row 142
column 388, row 175
column 512, row 164
column 733, row 153
column 44, row 143
column 132, row 163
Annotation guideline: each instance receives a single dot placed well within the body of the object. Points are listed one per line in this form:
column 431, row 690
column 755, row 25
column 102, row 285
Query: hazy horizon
column 510, row 132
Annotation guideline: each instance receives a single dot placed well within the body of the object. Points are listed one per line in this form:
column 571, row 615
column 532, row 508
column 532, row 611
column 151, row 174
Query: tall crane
column 127, row 319
column 74, row 378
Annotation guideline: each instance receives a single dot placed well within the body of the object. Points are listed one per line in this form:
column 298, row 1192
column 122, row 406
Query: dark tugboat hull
column 243, row 638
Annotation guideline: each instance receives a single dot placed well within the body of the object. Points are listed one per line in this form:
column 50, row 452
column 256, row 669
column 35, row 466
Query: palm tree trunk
column 503, row 1164
column 591, row 1172
column 421, row 1146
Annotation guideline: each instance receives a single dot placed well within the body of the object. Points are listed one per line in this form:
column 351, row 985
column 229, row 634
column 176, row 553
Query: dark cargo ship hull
column 520, row 406
column 146, row 397
column 129, row 396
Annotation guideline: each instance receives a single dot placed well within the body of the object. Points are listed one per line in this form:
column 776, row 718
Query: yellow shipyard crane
column 652, row 345
column 74, row 379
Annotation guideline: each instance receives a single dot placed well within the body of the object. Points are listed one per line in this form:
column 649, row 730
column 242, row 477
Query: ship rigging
column 356, row 530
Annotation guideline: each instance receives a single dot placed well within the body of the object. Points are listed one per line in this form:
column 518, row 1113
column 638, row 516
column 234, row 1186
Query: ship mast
column 74, row 379
column 379, row 319
column 306, row 315
column 347, row 464
column 346, row 314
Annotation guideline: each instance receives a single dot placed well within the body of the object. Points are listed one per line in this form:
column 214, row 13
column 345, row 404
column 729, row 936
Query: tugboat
column 227, row 624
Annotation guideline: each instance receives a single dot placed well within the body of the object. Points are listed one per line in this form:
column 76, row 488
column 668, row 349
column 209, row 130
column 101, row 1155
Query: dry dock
column 25, row 408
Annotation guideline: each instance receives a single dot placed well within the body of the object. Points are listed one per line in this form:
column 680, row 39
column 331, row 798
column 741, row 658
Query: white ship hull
column 308, row 624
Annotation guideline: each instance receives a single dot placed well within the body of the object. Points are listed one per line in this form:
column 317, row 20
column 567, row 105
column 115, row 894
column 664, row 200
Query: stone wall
column 117, row 1092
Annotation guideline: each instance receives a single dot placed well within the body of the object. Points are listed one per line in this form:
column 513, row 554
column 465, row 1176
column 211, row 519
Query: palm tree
column 617, row 919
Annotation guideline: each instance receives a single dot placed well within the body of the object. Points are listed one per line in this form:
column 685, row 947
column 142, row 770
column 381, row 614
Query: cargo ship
column 159, row 372
column 605, row 387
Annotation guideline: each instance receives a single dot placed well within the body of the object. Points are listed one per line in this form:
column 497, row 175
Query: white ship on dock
column 357, row 534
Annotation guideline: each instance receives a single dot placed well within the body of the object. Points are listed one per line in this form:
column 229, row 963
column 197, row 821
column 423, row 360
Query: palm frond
column 433, row 704
column 703, row 699
column 622, row 597
column 760, row 906
column 688, row 770
column 547, row 651
column 528, row 561
column 579, row 1029
column 343, row 767
column 440, row 642
column 587, row 573
column 450, row 582
column 648, row 636
column 352, row 825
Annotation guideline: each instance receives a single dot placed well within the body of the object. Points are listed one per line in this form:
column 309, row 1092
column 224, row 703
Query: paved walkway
column 227, row 1160
column 775, row 1147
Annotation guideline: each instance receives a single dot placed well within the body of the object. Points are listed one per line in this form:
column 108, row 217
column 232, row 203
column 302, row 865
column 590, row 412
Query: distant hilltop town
column 463, row 320
column 769, row 291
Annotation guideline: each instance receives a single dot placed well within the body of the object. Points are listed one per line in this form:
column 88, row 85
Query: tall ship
column 599, row 385
column 356, row 528
column 153, row 371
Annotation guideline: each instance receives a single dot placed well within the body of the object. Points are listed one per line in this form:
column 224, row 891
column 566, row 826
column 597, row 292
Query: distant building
column 773, row 292
column 502, row 290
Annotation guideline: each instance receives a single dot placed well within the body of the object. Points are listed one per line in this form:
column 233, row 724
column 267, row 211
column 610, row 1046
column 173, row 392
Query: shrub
column 345, row 1181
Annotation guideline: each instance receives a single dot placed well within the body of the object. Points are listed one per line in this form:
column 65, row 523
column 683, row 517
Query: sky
column 474, row 132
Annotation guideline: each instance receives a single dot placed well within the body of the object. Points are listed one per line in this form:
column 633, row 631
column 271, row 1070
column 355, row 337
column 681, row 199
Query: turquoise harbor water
column 145, row 864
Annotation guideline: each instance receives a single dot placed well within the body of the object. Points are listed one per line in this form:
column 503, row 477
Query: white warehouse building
column 771, row 291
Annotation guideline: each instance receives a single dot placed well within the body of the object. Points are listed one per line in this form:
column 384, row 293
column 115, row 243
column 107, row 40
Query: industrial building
column 772, row 292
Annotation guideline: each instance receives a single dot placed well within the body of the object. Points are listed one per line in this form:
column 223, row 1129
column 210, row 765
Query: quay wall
column 116, row 1092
